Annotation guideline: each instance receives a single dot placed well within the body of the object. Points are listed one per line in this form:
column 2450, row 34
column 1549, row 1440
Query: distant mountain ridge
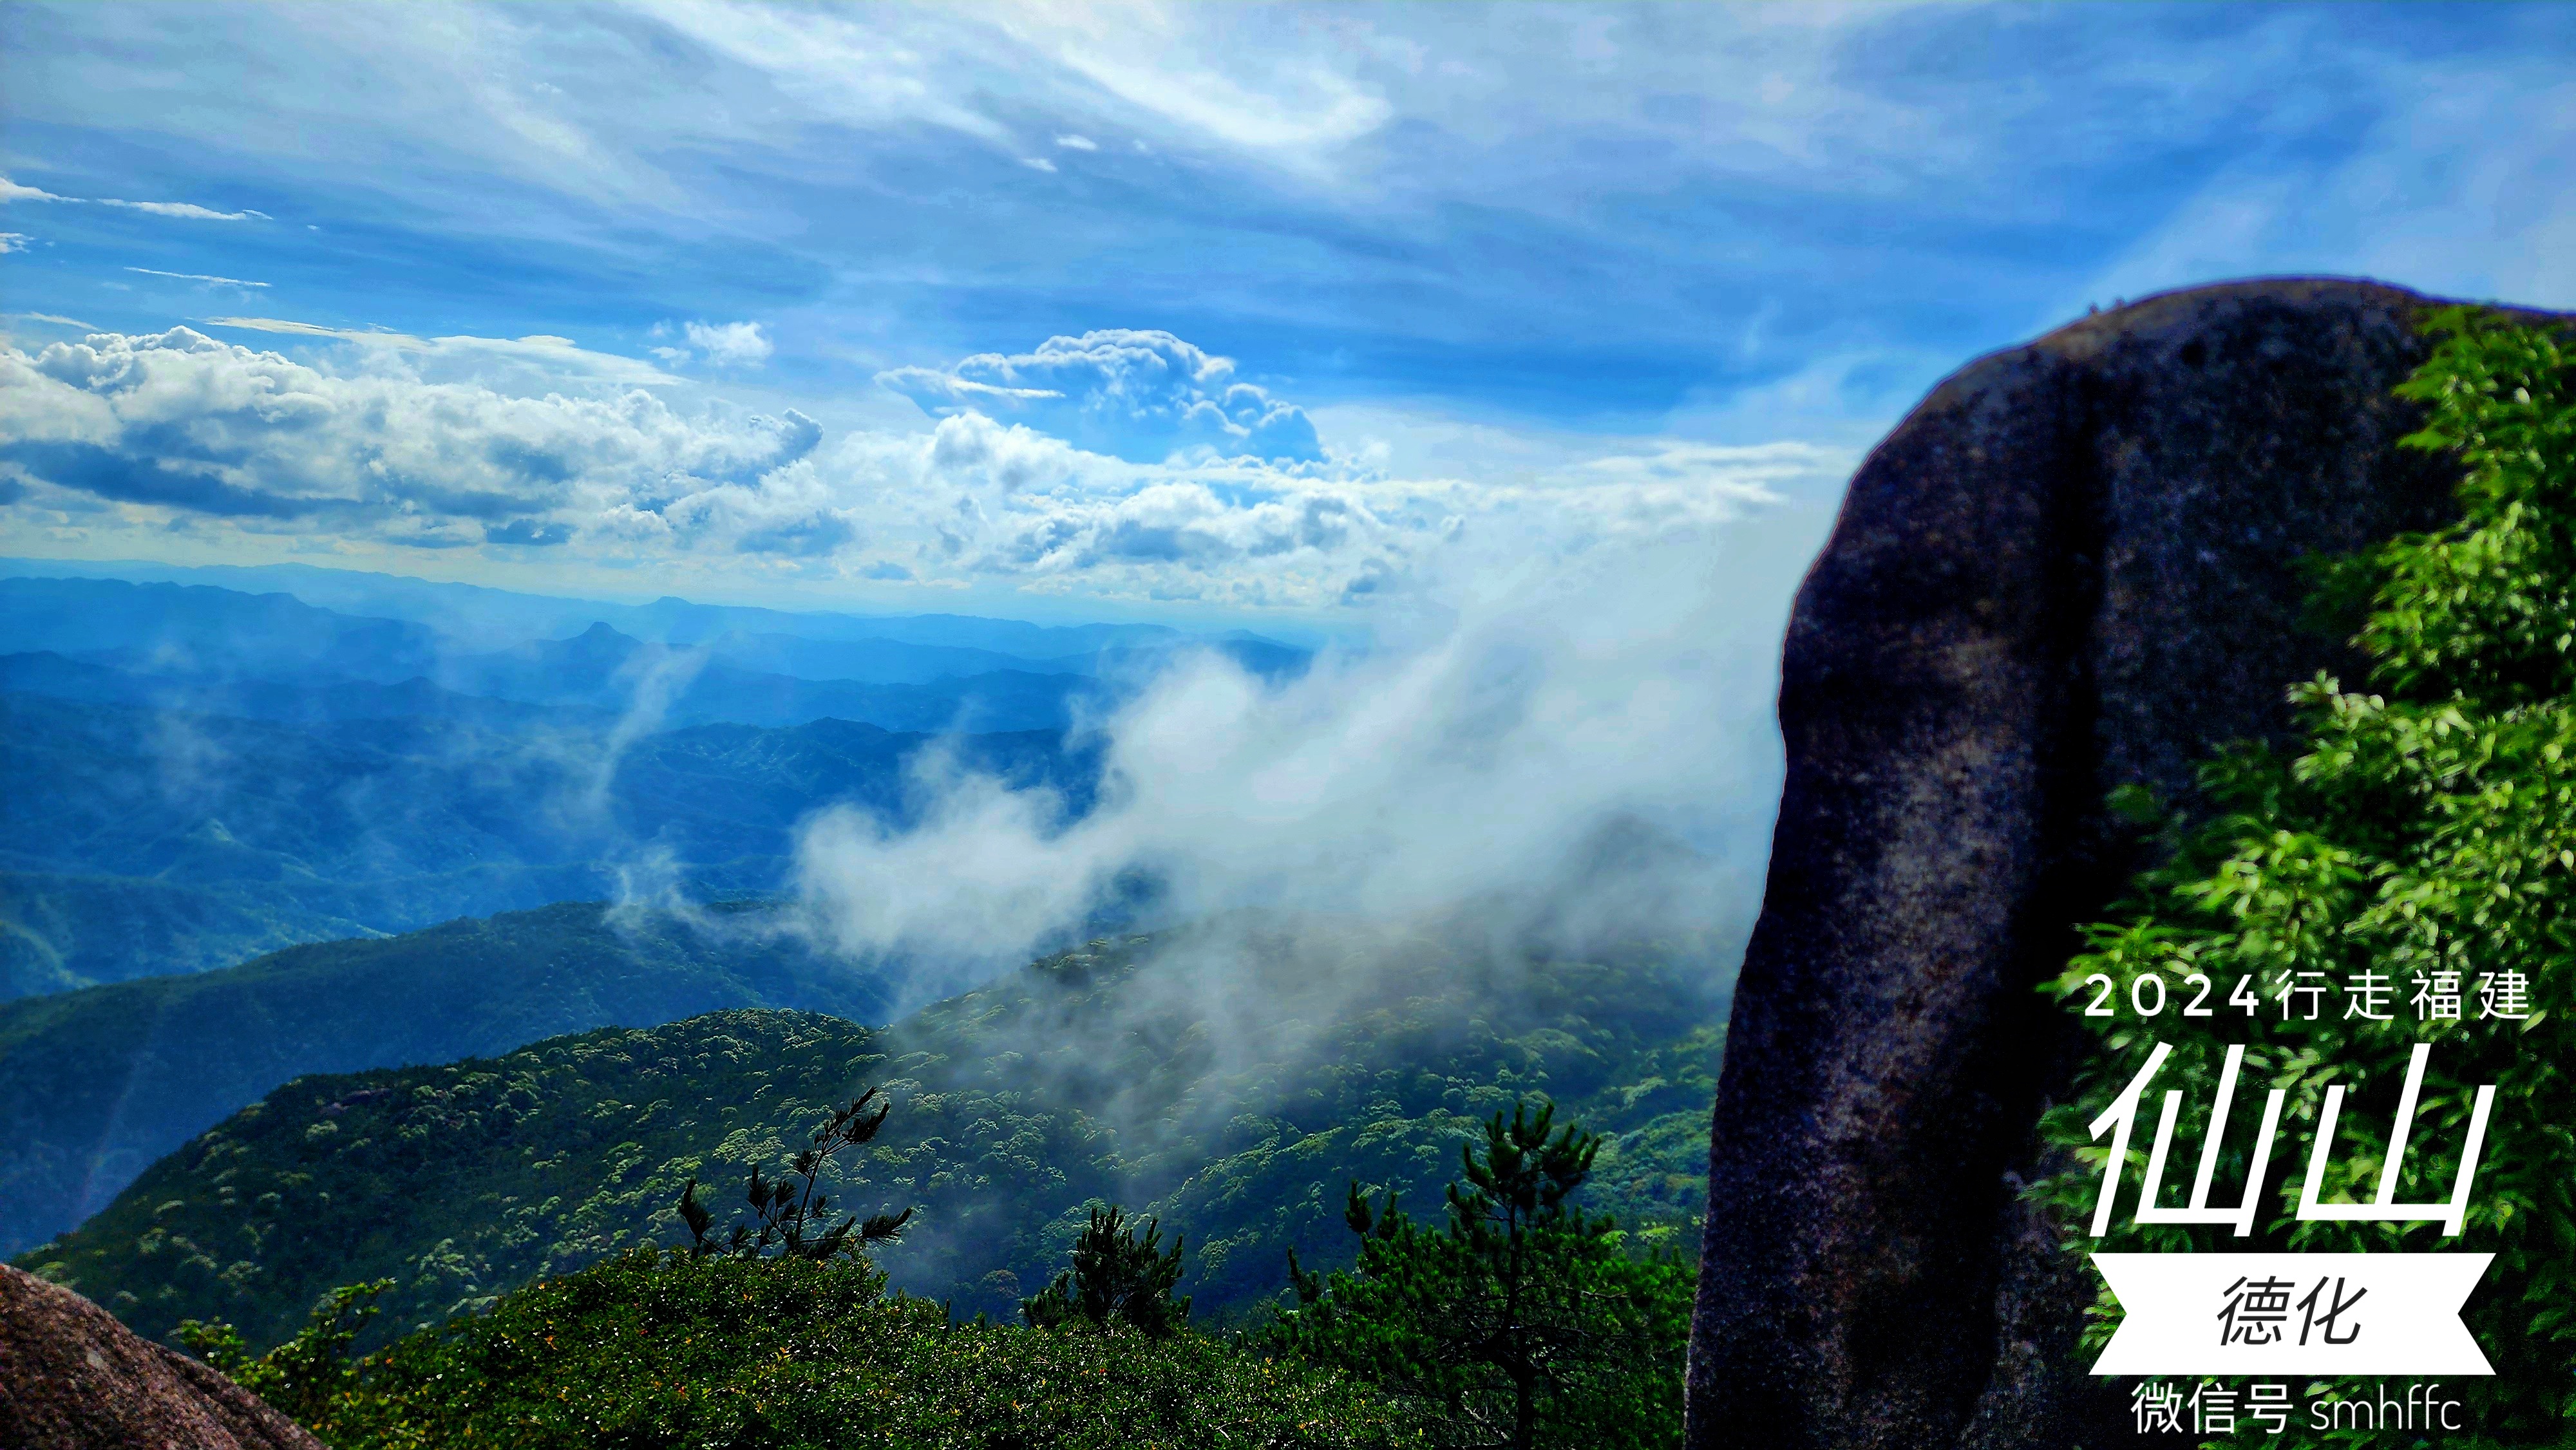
column 96, row 1084
column 198, row 630
column 468, row 612
column 601, row 669
column 137, row 840
column 207, row 648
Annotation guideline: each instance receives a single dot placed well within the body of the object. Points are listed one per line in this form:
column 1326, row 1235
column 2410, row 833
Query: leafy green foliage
column 2426, row 830
column 1228, row 1082
column 1116, row 1278
column 1522, row 1321
column 306, row 1377
column 675, row 1350
column 95, row 1085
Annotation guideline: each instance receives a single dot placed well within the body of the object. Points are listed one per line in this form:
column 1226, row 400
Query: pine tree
column 1116, row 1278
column 792, row 1215
column 1522, row 1319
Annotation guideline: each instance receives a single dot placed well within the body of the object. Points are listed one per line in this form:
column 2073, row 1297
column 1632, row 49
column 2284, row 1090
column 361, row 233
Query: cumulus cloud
column 181, row 423
column 535, row 443
column 725, row 344
column 13, row 242
column 1133, row 394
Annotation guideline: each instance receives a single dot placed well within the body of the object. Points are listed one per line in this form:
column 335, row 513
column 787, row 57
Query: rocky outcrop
column 2073, row 566
column 72, row 1378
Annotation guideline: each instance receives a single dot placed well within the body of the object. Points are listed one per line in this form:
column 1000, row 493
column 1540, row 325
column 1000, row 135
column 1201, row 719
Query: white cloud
column 12, row 191
column 397, row 441
column 1137, row 394
column 1037, row 163
column 185, row 209
column 195, row 277
column 180, row 425
column 1077, row 143
column 730, row 344
column 13, row 242
column 538, row 360
column 1574, row 750
column 310, row 329
column 725, row 344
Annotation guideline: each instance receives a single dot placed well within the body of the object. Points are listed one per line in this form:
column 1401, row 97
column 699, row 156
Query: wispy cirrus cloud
column 1588, row 216
column 12, row 191
column 195, row 277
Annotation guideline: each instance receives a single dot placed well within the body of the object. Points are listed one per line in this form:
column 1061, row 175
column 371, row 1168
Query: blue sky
column 1221, row 313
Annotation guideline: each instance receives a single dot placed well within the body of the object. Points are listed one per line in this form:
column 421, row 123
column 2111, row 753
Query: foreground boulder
column 72, row 1378
column 2074, row 566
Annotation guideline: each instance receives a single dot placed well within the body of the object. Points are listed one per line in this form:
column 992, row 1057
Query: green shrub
column 667, row 1349
column 2425, row 833
column 307, row 1375
column 1522, row 1321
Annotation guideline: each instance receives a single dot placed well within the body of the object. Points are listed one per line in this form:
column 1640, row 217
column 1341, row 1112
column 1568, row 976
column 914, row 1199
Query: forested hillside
column 1232, row 1078
column 96, row 1084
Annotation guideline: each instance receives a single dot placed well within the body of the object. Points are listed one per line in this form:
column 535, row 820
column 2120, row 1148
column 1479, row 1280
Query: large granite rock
column 72, row 1378
column 2072, row 567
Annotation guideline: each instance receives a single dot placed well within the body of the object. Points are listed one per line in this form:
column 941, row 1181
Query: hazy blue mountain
column 137, row 840
column 276, row 652
column 472, row 615
column 678, row 621
column 308, row 700
column 486, row 617
column 602, row 669
column 96, row 1084
column 197, row 630
column 1127, row 665
column 866, row 661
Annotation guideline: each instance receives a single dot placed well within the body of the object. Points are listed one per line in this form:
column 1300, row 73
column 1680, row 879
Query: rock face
column 2072, row 567
column 72, row 1378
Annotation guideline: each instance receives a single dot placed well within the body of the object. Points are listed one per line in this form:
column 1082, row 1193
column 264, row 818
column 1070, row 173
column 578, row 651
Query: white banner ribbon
column 2280, row 1314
